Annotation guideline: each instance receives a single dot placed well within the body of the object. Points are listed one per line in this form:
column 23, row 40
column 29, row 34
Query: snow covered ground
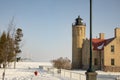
column 25, row 71
column 101, row 75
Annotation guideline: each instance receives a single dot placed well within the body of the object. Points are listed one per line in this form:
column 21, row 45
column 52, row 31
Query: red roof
column 98, row 44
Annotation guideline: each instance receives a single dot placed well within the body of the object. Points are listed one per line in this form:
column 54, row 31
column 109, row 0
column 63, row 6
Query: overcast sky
column 47, row 24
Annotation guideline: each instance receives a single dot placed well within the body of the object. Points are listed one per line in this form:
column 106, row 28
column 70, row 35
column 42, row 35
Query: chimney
column 101, row 35
column 117, row 32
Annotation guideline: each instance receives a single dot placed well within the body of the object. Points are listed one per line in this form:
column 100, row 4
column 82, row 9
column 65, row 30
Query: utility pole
column 91, row 74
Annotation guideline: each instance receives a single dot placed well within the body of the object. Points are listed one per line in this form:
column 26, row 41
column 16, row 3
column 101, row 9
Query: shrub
column 62, row 63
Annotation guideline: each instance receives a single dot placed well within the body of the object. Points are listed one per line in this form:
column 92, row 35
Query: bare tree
column 16, row 35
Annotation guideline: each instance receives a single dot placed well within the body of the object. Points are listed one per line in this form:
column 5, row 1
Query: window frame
column 112, row 48
column 95, row 61
column 112, row 61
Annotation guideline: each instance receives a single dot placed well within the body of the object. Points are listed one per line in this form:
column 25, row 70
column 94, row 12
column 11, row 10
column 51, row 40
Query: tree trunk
column 0, row 65
column 4, row 65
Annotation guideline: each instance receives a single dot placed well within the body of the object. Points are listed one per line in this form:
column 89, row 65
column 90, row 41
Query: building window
column 112, row 62
column 95, row 61
column 112, row 48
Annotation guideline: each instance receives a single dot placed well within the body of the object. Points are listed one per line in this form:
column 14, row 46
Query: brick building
column 106, row 52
